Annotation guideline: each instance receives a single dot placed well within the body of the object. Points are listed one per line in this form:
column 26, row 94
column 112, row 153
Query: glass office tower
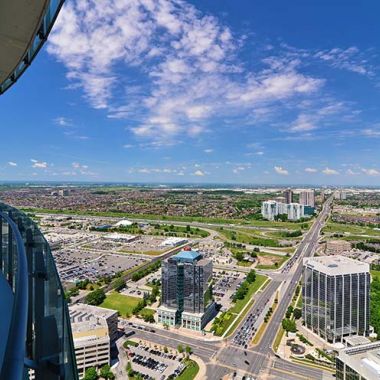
column 335, row 294
column 186, row 290
column 34, row 326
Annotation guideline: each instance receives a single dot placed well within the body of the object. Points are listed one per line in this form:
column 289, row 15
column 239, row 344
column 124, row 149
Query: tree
column 96, row 297
column 148, row 318
column 239, row 256
column 251, row 277
column 297, row 313
column 90, row 374
column 180, row 348
column 188, row 350
column 288, row 325
column 106, row 372
column 129, row 369
column 166, row 350
column 118, row 284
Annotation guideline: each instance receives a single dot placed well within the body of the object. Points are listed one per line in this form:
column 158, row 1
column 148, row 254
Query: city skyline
column 196, row 92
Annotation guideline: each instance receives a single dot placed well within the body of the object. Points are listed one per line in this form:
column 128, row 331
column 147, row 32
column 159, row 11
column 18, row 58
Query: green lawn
column 123, row 304
column 190, row 371
column 248, row 238
column 332, row 227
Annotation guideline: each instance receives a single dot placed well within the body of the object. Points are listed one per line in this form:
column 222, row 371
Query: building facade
column 288, row 195
column 186, row 299
column 335, row 294
column 307, row 198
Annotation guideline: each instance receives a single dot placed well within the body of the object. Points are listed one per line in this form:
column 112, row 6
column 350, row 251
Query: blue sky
column 200, row 91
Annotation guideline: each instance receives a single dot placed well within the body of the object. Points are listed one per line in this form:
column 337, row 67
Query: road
column 224, row 357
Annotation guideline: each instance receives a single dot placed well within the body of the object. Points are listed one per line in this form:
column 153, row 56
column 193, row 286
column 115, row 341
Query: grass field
column 123, row 304
column 190, row 371
column 350, row 229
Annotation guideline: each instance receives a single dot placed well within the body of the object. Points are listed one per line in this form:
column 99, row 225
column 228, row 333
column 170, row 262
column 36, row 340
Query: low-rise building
column 94, row 329
column 359, row 362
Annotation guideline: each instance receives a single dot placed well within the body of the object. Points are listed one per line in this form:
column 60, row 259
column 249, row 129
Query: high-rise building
column 359, row 362
column 187, row 298
column 35, row 327
column 288, row 194
column 335, row 294
column 269, row 209
column 307, row 198
column 293, row 211
column 94, row 328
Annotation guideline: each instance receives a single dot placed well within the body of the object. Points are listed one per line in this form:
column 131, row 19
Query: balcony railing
column 46, row 24
column 35, row 330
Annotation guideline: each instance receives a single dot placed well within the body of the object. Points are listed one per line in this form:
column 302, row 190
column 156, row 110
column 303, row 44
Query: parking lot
column 153, row 363
column 74, row 264
column 225, row 285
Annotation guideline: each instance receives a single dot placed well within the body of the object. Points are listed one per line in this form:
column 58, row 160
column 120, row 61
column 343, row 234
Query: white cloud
column 11, row 163
column 371, row 172
column 209, row 150
column 281, row 170
column 39, row 164
column 329, row 171
column 371, row 132
column 351, row 172
column 199, row 173
column 350, row 59
column 303, row 123
column 63, row 121
column 188, row 61
column 311, row 170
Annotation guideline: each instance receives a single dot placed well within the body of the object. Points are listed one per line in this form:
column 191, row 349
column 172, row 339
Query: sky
column 208, row 91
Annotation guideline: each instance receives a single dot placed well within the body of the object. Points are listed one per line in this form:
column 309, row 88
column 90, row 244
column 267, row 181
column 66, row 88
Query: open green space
column 278, row 260
column 177, row 231
column 357, row 231
column 120, row 214
column 122, row 303
column 191, row 370
column 247, row 238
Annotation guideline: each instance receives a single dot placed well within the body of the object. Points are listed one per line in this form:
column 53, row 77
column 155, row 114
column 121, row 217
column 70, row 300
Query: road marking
column 292, row 373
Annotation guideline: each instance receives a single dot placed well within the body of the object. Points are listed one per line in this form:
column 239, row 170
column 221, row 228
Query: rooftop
column 364, row 359
column 79, row 312
column 335, row 265
column 187, row 255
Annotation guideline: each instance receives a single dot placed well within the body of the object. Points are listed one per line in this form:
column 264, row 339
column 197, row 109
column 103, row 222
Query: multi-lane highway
column 259, row 362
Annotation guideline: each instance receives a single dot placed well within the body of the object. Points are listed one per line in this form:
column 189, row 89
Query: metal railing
column 44, row 27
column 39, row 340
